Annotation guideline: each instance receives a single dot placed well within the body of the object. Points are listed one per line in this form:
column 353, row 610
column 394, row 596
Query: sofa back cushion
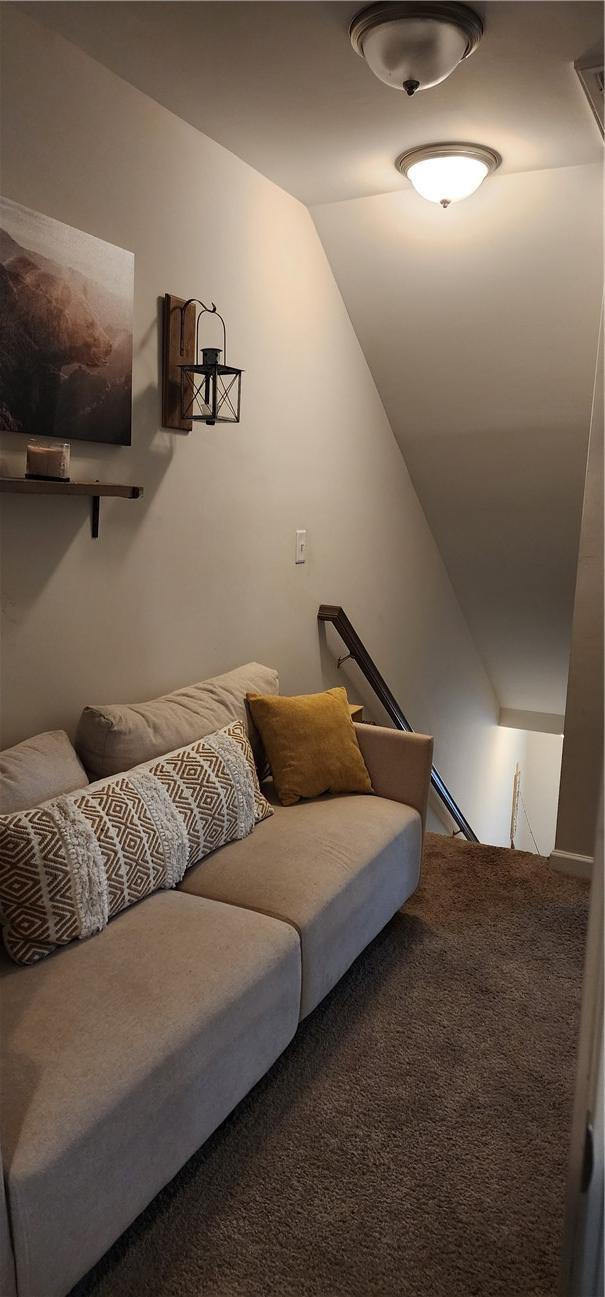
column 69, row 866
column 119, row 736
column 41, row 767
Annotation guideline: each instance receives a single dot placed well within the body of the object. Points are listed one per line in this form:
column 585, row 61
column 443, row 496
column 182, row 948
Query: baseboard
column 567, row 862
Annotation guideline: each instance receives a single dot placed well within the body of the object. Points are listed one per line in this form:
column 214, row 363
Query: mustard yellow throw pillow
column 311, row 744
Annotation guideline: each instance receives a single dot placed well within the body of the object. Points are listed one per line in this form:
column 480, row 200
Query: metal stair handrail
column 333, row 613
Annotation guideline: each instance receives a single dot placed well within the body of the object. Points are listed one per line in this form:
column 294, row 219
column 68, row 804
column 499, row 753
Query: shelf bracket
column 95, row 508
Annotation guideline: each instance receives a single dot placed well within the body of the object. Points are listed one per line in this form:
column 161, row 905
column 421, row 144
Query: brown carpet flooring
column 412, row 1140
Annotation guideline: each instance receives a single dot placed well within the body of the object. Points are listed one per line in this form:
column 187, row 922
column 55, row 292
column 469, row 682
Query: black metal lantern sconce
column 198, row 386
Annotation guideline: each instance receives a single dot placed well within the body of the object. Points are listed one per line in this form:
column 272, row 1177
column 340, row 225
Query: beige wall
column 540, row 774
column 539, row 758
column 582, row 765
column 200, row 575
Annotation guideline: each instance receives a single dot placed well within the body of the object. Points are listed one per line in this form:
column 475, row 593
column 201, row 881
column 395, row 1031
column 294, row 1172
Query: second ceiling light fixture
column 446, row 173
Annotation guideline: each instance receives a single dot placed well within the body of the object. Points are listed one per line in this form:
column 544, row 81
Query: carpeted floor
column 412, row 1141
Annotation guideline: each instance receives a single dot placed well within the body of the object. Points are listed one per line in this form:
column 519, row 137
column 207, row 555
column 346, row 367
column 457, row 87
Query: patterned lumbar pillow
column 70, row 865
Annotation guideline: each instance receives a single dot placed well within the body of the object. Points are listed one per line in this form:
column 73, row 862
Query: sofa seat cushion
column 336, row 868
column 120, row 1055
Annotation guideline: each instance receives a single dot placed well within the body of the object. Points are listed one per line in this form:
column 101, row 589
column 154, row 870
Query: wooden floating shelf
column 45, row 486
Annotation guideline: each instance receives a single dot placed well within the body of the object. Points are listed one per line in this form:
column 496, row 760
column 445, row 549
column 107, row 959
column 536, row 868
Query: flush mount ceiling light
column 414, row 46
column 446, row 173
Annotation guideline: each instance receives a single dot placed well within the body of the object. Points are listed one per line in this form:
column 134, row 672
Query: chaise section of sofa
column 121, row 1055
column 335, row 868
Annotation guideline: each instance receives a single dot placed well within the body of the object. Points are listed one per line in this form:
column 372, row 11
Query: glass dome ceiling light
column 447, row 173
column 415, row 44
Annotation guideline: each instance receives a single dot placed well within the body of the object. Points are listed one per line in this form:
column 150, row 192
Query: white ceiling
column 279, row 84
column 479, row 323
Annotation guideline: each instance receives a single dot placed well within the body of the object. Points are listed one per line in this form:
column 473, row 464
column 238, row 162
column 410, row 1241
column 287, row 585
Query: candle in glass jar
column 48, row 461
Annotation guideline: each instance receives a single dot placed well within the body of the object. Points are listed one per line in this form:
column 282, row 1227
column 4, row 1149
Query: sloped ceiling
column 481, row 333
column 479, row 323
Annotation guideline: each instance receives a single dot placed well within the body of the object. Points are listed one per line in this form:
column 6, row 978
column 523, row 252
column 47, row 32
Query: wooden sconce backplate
column 173, row 359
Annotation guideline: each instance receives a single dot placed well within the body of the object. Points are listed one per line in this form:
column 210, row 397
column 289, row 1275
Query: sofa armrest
column 399, row 764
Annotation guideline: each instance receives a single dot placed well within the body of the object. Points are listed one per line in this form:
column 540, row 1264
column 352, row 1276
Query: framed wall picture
column 66, row 309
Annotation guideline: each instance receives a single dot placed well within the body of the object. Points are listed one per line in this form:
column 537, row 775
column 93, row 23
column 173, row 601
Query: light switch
column 301, row 546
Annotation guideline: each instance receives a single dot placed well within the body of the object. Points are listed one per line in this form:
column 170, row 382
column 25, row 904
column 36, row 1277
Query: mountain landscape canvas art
column 66, row 306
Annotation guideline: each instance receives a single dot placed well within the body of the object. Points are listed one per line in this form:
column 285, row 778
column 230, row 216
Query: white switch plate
column 301, row 546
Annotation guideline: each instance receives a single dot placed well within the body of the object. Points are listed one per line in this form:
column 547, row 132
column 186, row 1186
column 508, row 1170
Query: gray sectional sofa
column 122, row 1053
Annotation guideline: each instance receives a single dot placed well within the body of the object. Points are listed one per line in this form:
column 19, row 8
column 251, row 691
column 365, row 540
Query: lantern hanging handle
column 206, row 310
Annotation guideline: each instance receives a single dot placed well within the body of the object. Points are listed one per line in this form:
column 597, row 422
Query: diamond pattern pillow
column 68, row 866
